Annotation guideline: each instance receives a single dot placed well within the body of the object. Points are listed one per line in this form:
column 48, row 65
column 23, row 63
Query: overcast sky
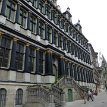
column 93, row 19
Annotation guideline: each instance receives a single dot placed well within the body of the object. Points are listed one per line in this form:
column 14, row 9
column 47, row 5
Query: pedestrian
column 90, row 96
column 84, row 97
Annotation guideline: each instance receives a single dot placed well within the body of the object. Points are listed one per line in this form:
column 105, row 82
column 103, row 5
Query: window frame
column 12, row 10
column 5, row 47
column 3, row 96
column 32, row 56
column 23, row 18
column 33, row 23
column 19, row 97
column 19, row 54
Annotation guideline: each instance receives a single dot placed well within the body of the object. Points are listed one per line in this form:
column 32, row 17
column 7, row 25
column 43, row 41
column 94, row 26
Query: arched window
column 3, row 93
column 19, row 97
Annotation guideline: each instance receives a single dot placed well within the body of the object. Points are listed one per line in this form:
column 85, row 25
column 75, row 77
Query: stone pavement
column 99, row 101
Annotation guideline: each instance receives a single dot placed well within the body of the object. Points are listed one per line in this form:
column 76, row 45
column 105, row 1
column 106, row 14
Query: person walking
column 84, row 97
column 89, row 95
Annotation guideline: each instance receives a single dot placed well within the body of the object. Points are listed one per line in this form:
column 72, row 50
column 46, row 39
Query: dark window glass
column 19, row 56
column 41, row 60
column 60, row 41
column 41, row 6
column 55, row 37
column 31, row 59
column 10, row 10
column 41, row 29
column 23, row 17
column 19, row 97
column 66, row 27
column 62, row 24
column 48, row 11
column 49, row 33
column 4, row 51
column 3, row 93
column 54, row 17
column 33, row 24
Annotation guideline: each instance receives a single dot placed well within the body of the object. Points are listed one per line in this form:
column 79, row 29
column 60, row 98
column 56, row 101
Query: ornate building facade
column 44, row 58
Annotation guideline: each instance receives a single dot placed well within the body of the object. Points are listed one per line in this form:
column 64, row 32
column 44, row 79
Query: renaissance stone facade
column 39, row 47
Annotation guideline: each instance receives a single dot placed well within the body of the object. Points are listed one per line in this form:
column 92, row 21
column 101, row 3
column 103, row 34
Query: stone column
column 17, row 25
column 13, row 54
column 28, row 25
column 37, row 61
column 37, row 30
column 53, row 36
column 12, row 72
column 26, row 66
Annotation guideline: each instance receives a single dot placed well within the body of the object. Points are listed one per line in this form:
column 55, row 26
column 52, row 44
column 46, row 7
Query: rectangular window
column 31, row 59
column 64, row 43
column 41, row 29
column 60, row 41
column 41, row 6
column 53, row 15
column 23, row 17
column 10, row 10
column 19, row 56
column 34, row 3
column 48, row 11
column 58, row 20
column 66, row 27
column 41, row 61
column 33, row 24
column 56, row 38
column 62, row 24
column 5, row 45
column 49, row 34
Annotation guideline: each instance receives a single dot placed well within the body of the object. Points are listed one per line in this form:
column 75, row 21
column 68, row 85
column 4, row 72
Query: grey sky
column 93, row 18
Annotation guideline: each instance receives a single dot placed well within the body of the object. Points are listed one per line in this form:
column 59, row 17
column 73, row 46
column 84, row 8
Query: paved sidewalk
column 99, row 101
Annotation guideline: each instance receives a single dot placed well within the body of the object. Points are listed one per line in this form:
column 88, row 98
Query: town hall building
column 44, row 57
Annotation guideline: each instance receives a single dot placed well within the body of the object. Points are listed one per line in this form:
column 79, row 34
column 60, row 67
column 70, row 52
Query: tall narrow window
column 31, row 59
column 3, row 93
column 56, row 38
column 41, row 29
column 10, row 10
column 62, row 24
column 23, row 17
column 41, row 6
column 66, row 27
column 64, row 43
column 60, row 41
column 48, row 11
column 41, row 61
column 49, row 33
column 19, row 56
column 54, row 17
column 34, row 3
column 33, row 24
column 4, row 51
column 19, row 97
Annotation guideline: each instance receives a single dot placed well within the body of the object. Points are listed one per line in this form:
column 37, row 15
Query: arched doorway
column 70, row 95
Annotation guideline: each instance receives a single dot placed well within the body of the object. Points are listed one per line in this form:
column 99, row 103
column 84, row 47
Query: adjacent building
column 44, row 58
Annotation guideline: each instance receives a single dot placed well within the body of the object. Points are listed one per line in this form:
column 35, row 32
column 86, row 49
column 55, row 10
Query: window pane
column 10, row 10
